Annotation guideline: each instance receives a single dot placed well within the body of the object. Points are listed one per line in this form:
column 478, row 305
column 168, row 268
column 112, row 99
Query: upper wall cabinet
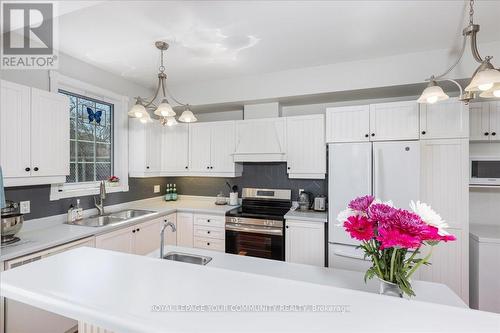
column 485, row 121
column 211, row 148
column 175, row 150
column 145, row 148
column 34, row 135
column 260, row 140
column 306, row 148
column 444, row 120
column 375, row 122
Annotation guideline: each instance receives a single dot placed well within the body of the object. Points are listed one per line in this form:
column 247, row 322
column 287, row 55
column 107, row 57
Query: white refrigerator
column 388, row 170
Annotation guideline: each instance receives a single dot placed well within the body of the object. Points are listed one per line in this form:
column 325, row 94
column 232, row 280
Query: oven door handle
column 254, row 229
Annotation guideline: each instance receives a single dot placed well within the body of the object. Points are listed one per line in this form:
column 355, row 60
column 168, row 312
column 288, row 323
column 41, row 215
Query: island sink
column 189, row 258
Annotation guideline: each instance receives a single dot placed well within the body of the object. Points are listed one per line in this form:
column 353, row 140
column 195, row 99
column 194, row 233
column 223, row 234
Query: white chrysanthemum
column 343, row 215
column 429, row 216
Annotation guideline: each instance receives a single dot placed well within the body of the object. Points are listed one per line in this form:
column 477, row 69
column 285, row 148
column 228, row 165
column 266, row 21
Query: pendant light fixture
column 485, row 81
column 164, row 111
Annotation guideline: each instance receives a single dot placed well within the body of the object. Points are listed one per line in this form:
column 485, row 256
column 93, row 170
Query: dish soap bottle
column 78, row 211
column 174, row 193
column 167, row 193
column 71, row 213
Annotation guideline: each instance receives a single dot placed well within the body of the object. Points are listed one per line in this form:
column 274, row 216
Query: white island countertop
column 38, row 235
column 123, row 293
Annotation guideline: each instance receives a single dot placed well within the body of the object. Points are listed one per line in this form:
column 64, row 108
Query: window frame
column 120, row 137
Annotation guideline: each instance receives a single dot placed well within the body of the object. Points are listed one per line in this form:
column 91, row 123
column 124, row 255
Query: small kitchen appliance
column 320, row 203
column 305, row 200
column 11, row 222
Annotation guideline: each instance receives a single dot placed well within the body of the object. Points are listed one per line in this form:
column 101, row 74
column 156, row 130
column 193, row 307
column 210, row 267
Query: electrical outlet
column 24, row 207
column 156, row 189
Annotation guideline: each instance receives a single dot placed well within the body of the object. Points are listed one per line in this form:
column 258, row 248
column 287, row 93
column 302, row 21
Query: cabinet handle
column 138, row 229
column 208, row 220
column 486, row 133
column 27, row 169
column 208, row 232
column 373, row 134
column 211, row 167
column 423, row 132
column 288, row 168
column 147, row 167
column 493, row 133
column 286, row 227
column 208, row 244
column 186, row 167
column 366, row 135
column 35, row 168
column 133, row 231
column 208, row 167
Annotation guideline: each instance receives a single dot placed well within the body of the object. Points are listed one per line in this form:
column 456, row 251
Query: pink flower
column 432, row 234
column 396, row 238
column 381, row 213
column 361, row 203
column 359, row 227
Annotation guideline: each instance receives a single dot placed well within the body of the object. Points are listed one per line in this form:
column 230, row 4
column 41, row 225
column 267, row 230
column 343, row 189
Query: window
column 91, row 139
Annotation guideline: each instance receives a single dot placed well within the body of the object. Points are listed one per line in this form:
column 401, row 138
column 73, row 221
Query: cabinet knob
column 208, row 167
column 133, row 231
column 211, row 167
column 373, row 134
column 208, row 220
column 138, row 229
column 286, row 227
column 493, row 133
column 147, row 167
column 208, row 232
column 366, row 135
column 423, row 132
column 27, row 169
column 208, row 244
column 186, row 167
column 288, row 168
column 35, row 168
column 486, row 133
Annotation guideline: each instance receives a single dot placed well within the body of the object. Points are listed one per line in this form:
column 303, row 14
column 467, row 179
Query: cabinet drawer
column 210, row 220
column 209, row 232
column 209, row 244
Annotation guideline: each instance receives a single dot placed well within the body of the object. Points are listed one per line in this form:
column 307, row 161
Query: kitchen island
column 129, row 293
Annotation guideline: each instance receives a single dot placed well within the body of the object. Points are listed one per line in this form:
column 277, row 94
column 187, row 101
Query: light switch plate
column 24, row 207
column 156, row 189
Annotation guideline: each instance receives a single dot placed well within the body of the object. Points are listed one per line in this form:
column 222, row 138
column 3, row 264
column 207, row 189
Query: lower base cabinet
column 209, row 232
column 305, row 242
column 185, row 229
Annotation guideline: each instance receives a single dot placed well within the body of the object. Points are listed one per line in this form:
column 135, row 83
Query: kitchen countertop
column 40, row 235
column 310, row 216
column 127, row 293
column 425, row 291
column 485, row 233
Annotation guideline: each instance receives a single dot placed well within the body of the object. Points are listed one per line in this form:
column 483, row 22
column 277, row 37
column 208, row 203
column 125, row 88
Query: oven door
column 255, row 241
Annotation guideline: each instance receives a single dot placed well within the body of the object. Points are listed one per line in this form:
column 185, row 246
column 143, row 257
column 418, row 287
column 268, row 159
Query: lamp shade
column 137, row 111
column 484, row 80
column 171, row 121
column 494, row 92
column 432, row 94
column 146, row 118
column 164, row 109
column 187, row 117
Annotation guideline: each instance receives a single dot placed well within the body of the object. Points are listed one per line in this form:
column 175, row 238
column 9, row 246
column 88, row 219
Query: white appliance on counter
column 484, row 170
column 388, row 170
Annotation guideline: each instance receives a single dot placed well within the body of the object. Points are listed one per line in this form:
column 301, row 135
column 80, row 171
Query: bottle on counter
column 174, row 193
column 78, row 211
column 71, row 213
column 167, row 193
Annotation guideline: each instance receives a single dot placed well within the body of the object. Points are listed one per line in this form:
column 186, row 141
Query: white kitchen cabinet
column 260, row 140
column 485, row 121
column 34, row 135
column 209, row 232
column 121, row 240
column 145, row 148
column 185, row 229
column 444, row 120
column 348, row 124
column 305, row 242
column 211, row 148
column 306, row 147
column 175, row 150
column 147, row 236
column 394, row 121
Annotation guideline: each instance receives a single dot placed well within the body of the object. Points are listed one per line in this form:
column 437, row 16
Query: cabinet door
column 445, row 179
column 175, row 148
column 394, row 121
column 147, row 236
column 15, row 130
column 444, row 120
column 348, row 124
column 49, row 134
column 479, row 121
column 223, row 144
column 154, row 134
column 185, row 229
column 199, row 147
column 306, row 148
column 305, row 243
column 121, row 240
column 495, row 121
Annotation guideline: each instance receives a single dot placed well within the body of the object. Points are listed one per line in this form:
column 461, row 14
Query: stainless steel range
column 256, row 228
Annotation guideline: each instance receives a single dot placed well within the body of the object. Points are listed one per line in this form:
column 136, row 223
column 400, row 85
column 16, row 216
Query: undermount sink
column 113, row 218
column 189, row 258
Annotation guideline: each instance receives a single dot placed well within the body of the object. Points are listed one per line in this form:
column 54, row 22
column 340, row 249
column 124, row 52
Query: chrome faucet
column 166, row 223
column 102, row 195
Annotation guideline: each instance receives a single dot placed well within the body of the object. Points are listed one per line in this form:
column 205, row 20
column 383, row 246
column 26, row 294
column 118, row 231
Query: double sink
column 113, row 218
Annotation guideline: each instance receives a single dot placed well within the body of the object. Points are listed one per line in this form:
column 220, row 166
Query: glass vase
column 390, row 289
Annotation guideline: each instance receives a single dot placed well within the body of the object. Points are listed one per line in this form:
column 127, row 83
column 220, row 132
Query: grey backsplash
column 264, row 175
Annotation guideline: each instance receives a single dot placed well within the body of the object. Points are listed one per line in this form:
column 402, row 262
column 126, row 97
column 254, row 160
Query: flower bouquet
column 113, row 181
column 392, row 238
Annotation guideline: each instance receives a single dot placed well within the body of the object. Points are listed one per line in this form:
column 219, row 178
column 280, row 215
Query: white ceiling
column 223, row 39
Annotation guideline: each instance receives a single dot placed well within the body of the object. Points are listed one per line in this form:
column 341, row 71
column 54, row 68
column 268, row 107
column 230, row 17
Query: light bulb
column 486, row 86
column 164, row 113
column 143, row 120
column 138, row 114
column 496, row 93
column 432, row 99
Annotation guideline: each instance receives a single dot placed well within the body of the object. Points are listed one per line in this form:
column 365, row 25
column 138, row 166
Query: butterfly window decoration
column 94, row 116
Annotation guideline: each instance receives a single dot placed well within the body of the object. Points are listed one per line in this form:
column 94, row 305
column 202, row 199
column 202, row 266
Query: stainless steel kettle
column 304, row 200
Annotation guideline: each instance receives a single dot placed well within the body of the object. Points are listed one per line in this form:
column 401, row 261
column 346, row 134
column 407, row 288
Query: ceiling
column 212, row 40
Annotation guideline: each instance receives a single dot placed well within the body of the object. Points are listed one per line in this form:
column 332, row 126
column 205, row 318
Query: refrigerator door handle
column 348, row 255
column 376, row 172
